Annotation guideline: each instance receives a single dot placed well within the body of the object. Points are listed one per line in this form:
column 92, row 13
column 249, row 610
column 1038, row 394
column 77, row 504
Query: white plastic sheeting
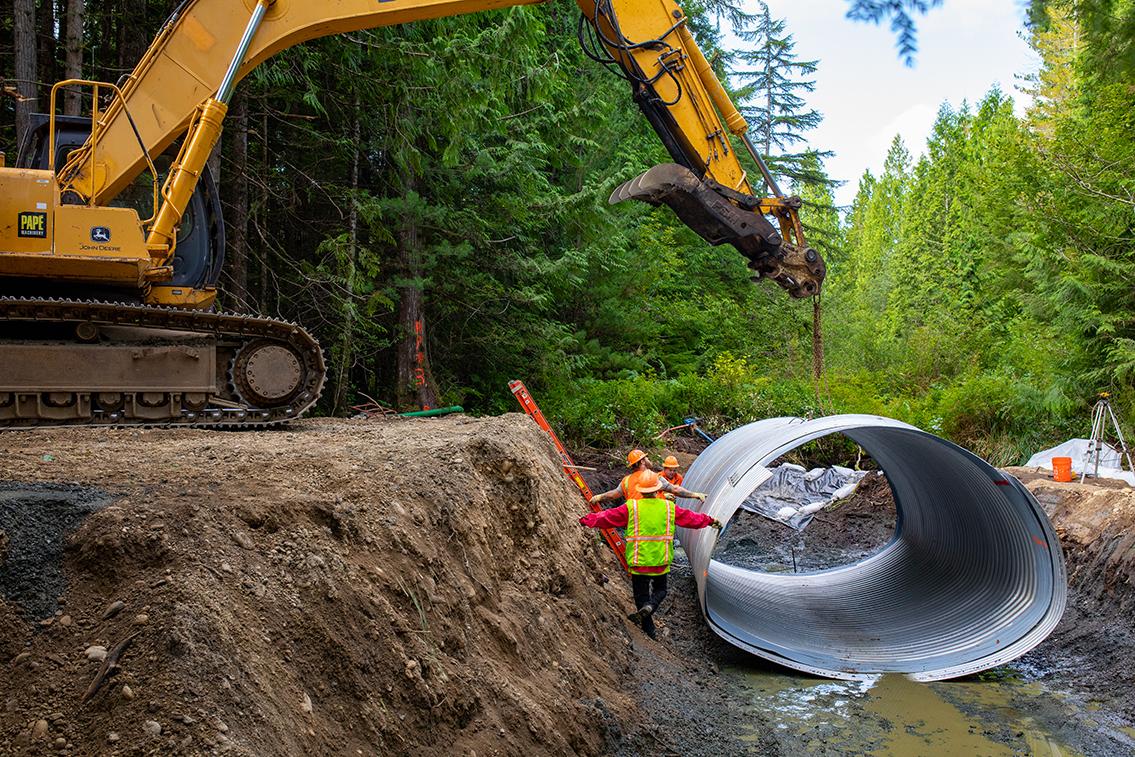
column 794, row 494
column 1111, row 462
column 973, row 578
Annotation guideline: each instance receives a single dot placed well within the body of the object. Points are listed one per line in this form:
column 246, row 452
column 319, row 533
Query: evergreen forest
column 455, row 174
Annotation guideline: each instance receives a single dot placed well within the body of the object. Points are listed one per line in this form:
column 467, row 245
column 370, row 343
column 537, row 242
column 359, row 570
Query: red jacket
column 617, row 517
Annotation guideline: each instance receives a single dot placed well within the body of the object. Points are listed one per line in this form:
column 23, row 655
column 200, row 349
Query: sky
column 867, row 94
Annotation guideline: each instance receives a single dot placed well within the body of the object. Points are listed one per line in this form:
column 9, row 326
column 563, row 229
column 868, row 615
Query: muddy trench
column 1071, row 695
column 321, row 591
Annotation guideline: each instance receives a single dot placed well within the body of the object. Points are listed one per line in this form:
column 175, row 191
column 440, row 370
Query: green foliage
column 981, row 290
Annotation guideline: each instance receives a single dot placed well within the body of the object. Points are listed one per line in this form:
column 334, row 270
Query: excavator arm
column 649, row 43
column 183, row 84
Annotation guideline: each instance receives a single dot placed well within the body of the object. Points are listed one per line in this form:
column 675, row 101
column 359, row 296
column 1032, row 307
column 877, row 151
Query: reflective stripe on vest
column 650, row 533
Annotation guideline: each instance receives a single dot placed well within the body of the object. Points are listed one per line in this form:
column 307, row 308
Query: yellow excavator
column 107, row 317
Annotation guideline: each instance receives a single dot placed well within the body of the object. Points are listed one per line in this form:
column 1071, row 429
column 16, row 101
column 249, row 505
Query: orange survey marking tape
column 614, row 538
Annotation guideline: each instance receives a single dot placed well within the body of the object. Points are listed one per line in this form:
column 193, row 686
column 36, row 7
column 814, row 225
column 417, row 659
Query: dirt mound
column 1093, row 648
column 335, row 587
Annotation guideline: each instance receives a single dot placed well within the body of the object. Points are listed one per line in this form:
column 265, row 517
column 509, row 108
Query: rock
column 152, row 728
column 96, row 653
column 411, row 668
column 113, row 609
column 127, row 692
column 56, row 717
column 21, row 657
column 65, row 621
column 112, row 737
column 242, row 540
column 222, row 727
column 185, row 719
column 39, row 730
column 60, row 743
column 305, row 704
column 141, row 619
column 225, row 567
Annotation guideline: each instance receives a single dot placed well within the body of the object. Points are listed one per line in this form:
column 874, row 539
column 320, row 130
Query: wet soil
column 35, row 522
column 842, row 533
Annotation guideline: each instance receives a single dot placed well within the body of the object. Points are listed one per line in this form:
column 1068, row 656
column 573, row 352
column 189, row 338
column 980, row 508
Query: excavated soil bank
column 1093, row 649
column 336, row 587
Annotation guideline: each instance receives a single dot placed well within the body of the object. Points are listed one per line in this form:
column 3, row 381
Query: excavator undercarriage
column 66, row 362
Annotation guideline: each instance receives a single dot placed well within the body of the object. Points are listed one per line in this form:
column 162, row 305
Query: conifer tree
column 773, row 84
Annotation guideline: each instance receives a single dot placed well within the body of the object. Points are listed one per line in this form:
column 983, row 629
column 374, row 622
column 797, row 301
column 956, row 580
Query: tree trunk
column 237, row 216
column 46, row 42
column 415, row 379
column 346, row 357
column 76, row 10
column 25, row 53
column 261, row 213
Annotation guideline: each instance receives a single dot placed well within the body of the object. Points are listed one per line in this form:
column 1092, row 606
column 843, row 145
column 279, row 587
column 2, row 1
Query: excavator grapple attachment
column 718, row 219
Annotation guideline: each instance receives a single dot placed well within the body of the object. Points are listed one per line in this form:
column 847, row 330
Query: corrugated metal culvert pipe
column 973, row 577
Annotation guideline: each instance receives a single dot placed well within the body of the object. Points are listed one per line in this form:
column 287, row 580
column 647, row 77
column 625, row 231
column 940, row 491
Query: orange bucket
column 1062, row 469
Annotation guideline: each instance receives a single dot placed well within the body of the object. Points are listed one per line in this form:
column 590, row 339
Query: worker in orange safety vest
column 670, row 473
column 641, row 475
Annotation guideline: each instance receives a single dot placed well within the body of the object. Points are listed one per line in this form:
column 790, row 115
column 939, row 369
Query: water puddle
column 1000, row 713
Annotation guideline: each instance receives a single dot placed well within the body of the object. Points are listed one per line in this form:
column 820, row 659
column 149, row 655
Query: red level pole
column 614, row 539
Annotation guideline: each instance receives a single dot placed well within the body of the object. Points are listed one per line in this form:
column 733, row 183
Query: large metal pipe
column 973, row 577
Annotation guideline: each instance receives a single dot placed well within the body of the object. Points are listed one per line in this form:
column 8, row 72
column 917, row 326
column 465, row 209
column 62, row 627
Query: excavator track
column 85, row 362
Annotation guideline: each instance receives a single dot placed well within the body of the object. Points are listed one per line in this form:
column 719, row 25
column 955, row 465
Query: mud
column 1092, row 651
column 842, row 533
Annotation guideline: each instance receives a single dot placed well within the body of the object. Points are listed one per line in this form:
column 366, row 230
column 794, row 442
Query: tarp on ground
column 1111, row 461
column 795, row 494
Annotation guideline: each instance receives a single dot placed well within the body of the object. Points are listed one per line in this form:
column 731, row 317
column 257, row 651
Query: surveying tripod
column 1101, row 414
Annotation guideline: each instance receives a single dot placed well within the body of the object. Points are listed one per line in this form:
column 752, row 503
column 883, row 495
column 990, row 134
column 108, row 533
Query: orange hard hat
column 670, row 462
column 634, row 456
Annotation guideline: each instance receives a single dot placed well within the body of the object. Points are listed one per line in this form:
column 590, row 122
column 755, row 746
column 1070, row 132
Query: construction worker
column 650, row 521
column 641, row 475
column 670, row 473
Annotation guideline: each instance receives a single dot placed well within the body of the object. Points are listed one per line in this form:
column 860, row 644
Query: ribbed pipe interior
column 974, row 576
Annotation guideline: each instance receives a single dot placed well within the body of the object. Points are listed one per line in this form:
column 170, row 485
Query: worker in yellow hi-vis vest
column 650, row 521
